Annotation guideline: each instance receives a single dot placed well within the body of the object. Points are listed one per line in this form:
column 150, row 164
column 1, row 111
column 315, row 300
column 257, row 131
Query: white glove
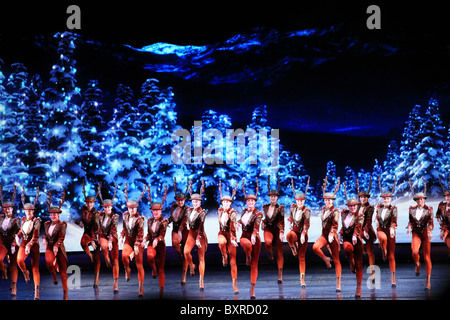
column 392, row 232
column 55, row 251
column 136, row 250
column 302, row 238
column 44, row 242
column 197, row 242
column 13, row 249
column 234, row 243
column 155, row 243
column 330, row 237
column 340, row 237
column 110, row 245
column 132, row 256
column 253, row 239
column 17, row 240
column 281, row 236
column 430, row 235
column 366, row 234
column 354, row 240
column 408, row 231
column 27, row 250
column 94, row 246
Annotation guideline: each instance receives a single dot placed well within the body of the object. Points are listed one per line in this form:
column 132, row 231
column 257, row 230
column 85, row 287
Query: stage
column 320, row 281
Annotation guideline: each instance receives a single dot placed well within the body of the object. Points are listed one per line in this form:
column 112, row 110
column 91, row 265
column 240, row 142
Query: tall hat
column 330, row 195
column 29, row 206
column 351, row 201
column 364, row 193
column 300, row 195
column 229, row 198
column 273, row 192
column 250, row 196
column 55, row 209
column 180, row 196
column 8, row 203
column 386, row 193
column 106, row 202
column 197, row 196
column 419, row 195
column 156, row 205
column 89, row 198
column 132, row 203
column 446, row 192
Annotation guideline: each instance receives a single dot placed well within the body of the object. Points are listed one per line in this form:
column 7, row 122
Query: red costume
column 179, row 228
column 156, row 256
column 9, row 227
column 300, row 219
column 298, row 236
column 196, row 236
column 55, row 252
column 443, row 218
column 386, row 218
column 133, row 233
column 330, row 219
column 351, row 240
column 421, row 226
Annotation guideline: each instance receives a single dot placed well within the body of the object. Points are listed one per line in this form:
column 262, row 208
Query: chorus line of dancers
column 20, row 237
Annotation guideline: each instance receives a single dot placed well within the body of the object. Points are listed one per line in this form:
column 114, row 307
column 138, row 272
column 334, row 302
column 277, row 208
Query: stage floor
column 320, row 281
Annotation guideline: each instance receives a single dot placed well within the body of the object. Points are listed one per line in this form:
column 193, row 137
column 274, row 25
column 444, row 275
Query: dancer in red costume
column 179, row 228
column 108, row 237
column 369, row 235
column 9, row 226
column 298, row 236
column 197, row 236
column 250, row 240
column 420, row 227
column 133, row 235
column 386, row 222
column 330, row 219
column 53, row 241
column 29, row 233
column 443, row 217
column 273, row 226
column 227, row 234
column 350, row 236
column 156, row 249
column 89, row 223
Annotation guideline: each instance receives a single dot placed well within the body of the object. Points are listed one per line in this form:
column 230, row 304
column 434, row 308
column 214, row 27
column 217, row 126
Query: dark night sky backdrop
column 323, row 112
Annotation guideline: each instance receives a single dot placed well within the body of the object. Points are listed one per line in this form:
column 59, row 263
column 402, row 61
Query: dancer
column 367, row 210
column 89, row 224
column 386, row 222
column 108, row 238
column 133, row 235
column 197, row 236
column 330, row 219
column 443, row 217
column 9, row 226
column 298, row 236
column 156, row 249
column 29, row 233
column 350, row 236
column 273, row 226
column 227, row 234
column 420, row 226
column 179, row 228
column 53, row 241
column 250, row 241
